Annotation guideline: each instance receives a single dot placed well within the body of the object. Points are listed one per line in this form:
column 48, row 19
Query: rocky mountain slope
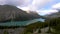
column 8, row 13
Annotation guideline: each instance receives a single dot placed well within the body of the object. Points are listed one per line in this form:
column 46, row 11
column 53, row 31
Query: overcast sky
column 43, row 7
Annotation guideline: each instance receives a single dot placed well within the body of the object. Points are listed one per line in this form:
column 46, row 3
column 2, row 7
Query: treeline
column 51, row 23
column 37, row 25
column 11, row 27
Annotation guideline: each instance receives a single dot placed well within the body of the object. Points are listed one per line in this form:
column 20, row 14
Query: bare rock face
column 8, row 12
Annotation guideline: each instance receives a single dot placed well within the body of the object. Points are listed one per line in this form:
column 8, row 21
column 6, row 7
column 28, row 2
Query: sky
column 42, row 7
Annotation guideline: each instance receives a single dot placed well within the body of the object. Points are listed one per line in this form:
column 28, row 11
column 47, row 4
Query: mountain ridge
column 53, row 15
column 8, row 13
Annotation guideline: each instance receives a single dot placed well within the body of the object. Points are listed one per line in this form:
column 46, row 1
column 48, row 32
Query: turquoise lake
column 20, row 23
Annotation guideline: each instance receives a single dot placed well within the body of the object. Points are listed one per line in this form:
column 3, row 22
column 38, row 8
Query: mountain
column 8, row 13
column 53, row 15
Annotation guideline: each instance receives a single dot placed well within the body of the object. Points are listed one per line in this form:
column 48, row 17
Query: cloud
column 51, row 10
column 15, row 2
column 36, row 4
column 33, row 5
column 56, row 6
column 30, row 4
column 45, row 12
column 19, row 2
column 2, row 2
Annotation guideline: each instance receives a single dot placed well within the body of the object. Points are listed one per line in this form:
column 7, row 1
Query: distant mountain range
column 8, row 13
column 53, row 15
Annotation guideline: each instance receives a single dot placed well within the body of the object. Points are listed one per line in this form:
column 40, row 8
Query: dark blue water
column 21, row 23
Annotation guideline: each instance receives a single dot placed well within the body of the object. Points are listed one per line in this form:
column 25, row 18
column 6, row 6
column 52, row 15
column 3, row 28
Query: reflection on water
column 21, row 23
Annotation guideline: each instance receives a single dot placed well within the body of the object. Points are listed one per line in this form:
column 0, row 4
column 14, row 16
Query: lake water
column 20, row 23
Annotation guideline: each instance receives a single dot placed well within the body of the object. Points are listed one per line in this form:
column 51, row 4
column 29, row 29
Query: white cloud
column 36, row 4
column 45, row 12
column 51, row 10
column 56, row 6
